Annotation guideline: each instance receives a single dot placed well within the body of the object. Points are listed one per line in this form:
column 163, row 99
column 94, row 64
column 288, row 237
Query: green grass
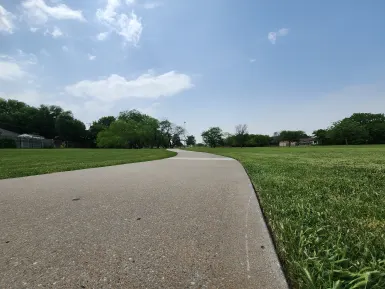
column 27, row 162
column 326, row 209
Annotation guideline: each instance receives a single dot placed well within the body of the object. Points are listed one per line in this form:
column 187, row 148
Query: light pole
column 184, row 134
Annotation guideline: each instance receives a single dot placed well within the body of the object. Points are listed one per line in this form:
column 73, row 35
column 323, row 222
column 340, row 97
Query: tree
column 322, row 136
column 241, row 134
column 68, row 128
column 213, row 137
column 292, row 135
column 166, row 131
column 348, row 131
column 257, row 140
column 190, row 141
column 176, row 141
column 374, row 124
column 100, row 125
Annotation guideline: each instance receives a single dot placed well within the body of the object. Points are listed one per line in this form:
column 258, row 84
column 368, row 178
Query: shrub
column 7, row 143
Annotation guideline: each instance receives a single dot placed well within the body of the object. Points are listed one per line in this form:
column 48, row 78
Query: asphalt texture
column 191, row 221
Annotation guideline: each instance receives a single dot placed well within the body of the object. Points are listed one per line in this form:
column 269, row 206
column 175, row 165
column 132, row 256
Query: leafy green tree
column 322, row 136
column 292, row 135
column 257, row 140
column 374, row 125
column 213, row 137
column 100, row 125
column 190, row 140
column 70, row 129
column 166, row 129
column 348, row 131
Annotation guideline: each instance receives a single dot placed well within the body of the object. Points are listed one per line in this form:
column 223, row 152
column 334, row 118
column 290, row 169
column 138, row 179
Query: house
column 308, row 141
column 7, row 133
column 303, row 141
column 287, row 143
column 25, row 140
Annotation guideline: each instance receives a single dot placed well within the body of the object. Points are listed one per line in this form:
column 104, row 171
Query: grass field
column 326, row 209
column 27, row 162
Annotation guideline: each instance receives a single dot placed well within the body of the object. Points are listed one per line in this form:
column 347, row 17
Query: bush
column 7, row 143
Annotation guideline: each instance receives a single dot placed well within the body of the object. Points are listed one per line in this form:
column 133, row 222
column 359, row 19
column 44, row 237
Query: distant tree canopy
column 359, row 128
column 48, row 121
column 131, row 129
column 213, row 137
column 190, row 141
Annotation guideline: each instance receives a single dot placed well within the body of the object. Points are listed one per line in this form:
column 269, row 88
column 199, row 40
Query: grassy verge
column 27, row 162
column 326, row 208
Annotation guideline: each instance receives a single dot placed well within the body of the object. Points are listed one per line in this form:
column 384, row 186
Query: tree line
column 130, row 129
column 359, row 128
column 133, row 129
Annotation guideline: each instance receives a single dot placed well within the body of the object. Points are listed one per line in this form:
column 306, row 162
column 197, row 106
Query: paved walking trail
column 191, row 221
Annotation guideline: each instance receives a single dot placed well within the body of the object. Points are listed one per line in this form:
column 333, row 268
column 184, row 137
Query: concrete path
column 191, row 221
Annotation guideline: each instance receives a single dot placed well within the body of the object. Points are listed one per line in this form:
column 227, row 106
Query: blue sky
column 273, row 65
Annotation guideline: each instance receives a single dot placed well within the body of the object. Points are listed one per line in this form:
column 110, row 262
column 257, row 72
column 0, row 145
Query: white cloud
column 15, row 67
column 109, row 13
column 129, row 27
column 6, row 21
column 117, row 87
column 130, row 2
column 251, row 60
column 272, row 36
column 39, row 12
column 10, row 71
column 151, row 110
column 29, row 96
column 26, row 58
column 283, row 31
column 102, row 36
column 56, row 32
column 151, row 5
column 64, row 48
column 91, row 57
column 33, row 29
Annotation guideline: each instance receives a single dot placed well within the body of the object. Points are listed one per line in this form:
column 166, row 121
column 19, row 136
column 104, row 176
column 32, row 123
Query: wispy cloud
column 64, row 48
column 152, row 5
column 39, row 12
column 91, row 57
column 272, row 36
column 127, row 26
column 6, row 21
column 150, row 110
column 102, row 36
column 15, row 67
column 55, row 33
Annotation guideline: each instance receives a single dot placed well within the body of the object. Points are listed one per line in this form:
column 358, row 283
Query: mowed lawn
column 326, row 209
column 27, row 162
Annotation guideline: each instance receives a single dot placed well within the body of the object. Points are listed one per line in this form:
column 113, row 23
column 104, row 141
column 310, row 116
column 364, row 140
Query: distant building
column 308, row 141
column 26, row 140
column 7, row 133
column 287, row 143
column 301, row 142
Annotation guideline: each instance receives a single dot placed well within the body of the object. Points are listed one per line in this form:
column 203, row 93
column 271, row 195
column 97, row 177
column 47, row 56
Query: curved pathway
column 191, row 221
